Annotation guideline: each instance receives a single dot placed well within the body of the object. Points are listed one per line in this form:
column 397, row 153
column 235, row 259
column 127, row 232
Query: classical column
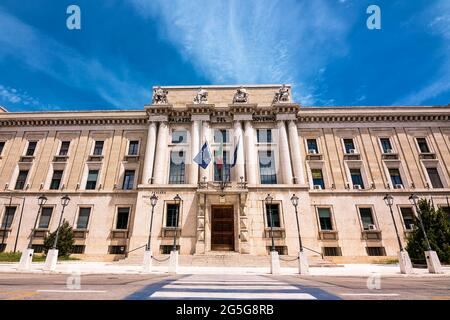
column 250, row 153
column 285, row 158
column 239, row 168
column 161, row 154
column 149, row 154
column 295, row 152
column 195, row 147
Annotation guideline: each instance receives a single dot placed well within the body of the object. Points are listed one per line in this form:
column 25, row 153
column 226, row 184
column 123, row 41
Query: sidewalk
column 356, row 270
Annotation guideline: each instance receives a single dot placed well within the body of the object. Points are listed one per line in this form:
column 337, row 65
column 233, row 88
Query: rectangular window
column 332, row 251
column 221, row 135
column 325, row 219
column 56, row 180
column 375, row 251
column 117, row 249
column 133, row 148
column 312, row 146
column 367, row 218
column 317, row 178
column 172, row 215
column 349, row 145
column 177, row 167
column 423, row 145
column 83, row 218
column 396, row 178
column 78, row 249
column 222, row 172
column 408, row 217
column 128, row 180
column 2, row 146
column 179, row 136
column 386, row 145
column 46, row 215
column 274, row 211
column 267, row 170
column 8, row 217
column 357, row 177
column 21, row 180
column 436, row 181
column 91, row 182
column 122, row 218
column 98, row 148
column 31, row 148
column 264, row 135
column 64, row 150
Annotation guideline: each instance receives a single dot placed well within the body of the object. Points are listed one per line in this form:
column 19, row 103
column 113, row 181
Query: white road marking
column 73, row 291
column 370, row 294
column 229, row 287
column 232, row 295
column 237, row 283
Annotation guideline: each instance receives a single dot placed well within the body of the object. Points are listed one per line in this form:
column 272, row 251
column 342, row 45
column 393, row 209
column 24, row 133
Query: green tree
column 65, row 240
column 437, row 227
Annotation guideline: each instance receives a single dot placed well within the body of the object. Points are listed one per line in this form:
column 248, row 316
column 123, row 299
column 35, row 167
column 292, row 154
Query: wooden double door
column 222, row 228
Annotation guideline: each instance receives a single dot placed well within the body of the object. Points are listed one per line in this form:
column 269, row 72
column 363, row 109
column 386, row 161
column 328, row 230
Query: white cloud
column 437, row 21
column 264, row 41
column 42, row 53
column 16, row 96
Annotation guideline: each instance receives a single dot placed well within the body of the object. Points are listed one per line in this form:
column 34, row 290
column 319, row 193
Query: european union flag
column 203, row 158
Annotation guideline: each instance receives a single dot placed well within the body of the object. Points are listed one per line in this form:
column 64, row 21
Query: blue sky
column 322, row 47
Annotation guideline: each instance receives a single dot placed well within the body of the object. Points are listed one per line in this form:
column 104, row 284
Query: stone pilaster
column 295, row 152
column 250, row 155
column 239, row 168
column 147, row 172
column 161, row 154
column 285, row 157
column 195, row 147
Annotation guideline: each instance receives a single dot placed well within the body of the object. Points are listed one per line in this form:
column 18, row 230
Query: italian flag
column 219, row 157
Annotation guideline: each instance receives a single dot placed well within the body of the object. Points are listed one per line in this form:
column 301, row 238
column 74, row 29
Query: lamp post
column 52, row 254
column 433, row 263
column 303, row 266
column 389, row 200
column 153, row 201
column 173, row 265
column 27, row 256
column 269, row 201
column 274, row 258
column 403, row 256
column 148, row 249
column 177, row 200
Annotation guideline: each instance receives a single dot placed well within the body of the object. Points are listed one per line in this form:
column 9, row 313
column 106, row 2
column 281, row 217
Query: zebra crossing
column 229, row 287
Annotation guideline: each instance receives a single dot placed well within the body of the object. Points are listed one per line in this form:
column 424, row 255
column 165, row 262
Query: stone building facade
column 339, row 161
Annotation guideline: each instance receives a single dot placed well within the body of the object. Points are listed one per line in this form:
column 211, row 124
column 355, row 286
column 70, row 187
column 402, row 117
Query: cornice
column 317, row 118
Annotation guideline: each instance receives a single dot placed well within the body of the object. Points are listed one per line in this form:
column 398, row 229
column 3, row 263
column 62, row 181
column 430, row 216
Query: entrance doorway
column 222, row 228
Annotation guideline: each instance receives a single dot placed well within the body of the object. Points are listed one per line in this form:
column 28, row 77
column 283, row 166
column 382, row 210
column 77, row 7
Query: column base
column 173, row 262
column 25, row 259
column 433, row 263
column 147, row 263
column 405, row 263
column 51, row 260
column 274, row 263
column 303, row 265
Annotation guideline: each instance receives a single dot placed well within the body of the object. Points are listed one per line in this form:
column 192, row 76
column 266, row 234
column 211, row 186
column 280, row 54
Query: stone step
column 227, row 260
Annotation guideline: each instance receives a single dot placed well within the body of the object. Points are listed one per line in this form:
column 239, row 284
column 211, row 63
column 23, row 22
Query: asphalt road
column 136, row 287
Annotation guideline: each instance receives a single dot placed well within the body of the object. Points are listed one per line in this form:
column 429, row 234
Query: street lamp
column 294, row 200
column 269, row 200
column 389, row 200
column 177, row 200
column 413, row 199
column 64, row 202
column 153, row 201
column 403, row 256
column 42, row 200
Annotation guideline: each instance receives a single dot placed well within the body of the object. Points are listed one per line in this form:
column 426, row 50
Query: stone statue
column 159, row 96
column 241, row 96
column 282, row 95
column 201, row 97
